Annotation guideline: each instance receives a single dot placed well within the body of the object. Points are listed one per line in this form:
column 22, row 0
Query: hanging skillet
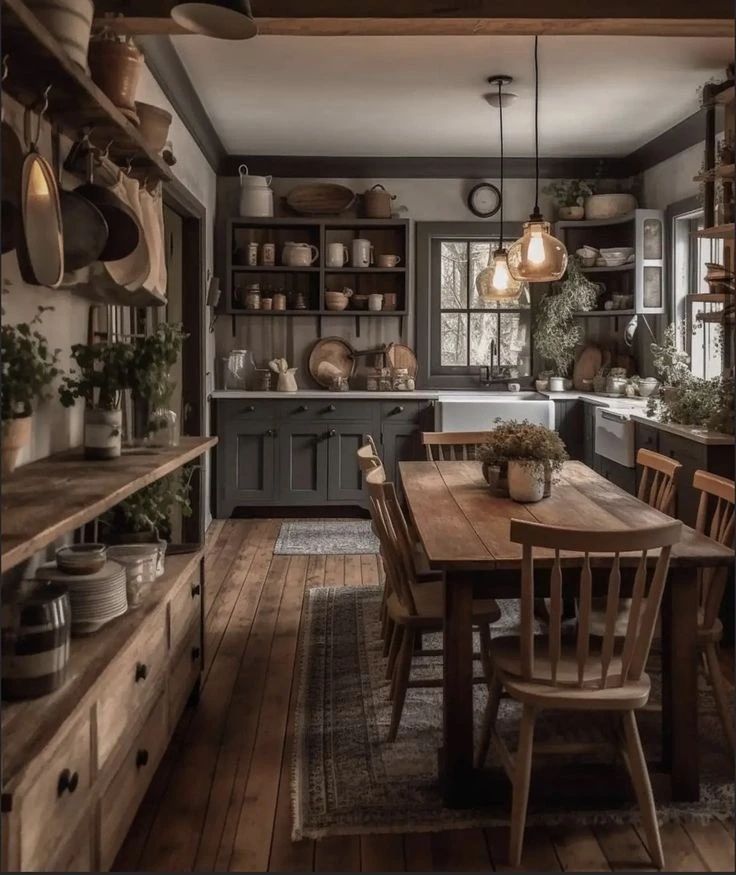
column 40, row 243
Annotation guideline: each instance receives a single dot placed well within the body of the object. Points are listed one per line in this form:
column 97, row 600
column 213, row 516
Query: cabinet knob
column 331, row 408
column 196, row 590
column 303, row 408
column 195, row 653
column 331, row 432
column 250, row 408
column 398, row 409
column 141, row 758
column 141, row 671
column 271, row 432
column 68, row 781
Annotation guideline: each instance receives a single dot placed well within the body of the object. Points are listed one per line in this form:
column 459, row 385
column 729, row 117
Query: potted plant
column 28, row 368
column 153, row 356
column 569, row 195
column 103, row 373
column 529, row 453
column 671, row 364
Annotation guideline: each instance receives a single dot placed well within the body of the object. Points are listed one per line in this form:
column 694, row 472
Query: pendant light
column 537, row 256
column 495, row 282
column 222, row 19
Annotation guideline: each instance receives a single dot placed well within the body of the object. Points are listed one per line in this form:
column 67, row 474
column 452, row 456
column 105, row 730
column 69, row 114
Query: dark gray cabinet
column 248, row 464
column 302, row 468
column 588, row 454
column 345, row 481
column 624, row 478
column 569, row 425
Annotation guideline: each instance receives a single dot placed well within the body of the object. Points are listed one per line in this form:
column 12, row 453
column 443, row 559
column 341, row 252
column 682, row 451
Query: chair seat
column 506, row 658
column 430, row 604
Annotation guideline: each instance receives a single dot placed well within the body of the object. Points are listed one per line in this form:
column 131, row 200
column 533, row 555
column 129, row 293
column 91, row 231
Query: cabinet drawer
column 332, row 411
column 646, row 437
column 247, row 410
column 130, row 686
column 55, row 801
column 123, row 795
column 77, row 856
column 185, row 609
column 401, row 411
column 689, row 453
column 184, row 670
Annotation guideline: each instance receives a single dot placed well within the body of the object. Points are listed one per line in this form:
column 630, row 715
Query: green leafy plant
column 570, row 192
column 150, row 509
column 524, row 442
column 556, row 333
column 671, row 364
column 153, row 357
column 28, row 366
column 698, row 402
column 103, row 373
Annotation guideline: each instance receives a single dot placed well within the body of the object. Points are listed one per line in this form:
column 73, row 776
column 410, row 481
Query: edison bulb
column 537, row 256
column 495, row 282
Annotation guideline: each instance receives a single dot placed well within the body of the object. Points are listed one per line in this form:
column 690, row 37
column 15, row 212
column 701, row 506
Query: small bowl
column 648, row 387
column 81, row 558
column 359, row 302
column 617, row 252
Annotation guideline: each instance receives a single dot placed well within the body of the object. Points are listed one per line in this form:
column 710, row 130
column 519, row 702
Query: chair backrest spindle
column 658, row 484
column 452, row 446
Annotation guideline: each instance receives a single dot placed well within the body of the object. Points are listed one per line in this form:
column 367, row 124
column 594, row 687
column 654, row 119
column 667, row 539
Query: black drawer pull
column 196, row 590
column 141, row 758
column 271, row 432
column 398, row 409
column 331, row 408
column 331, row 433
column 195, row 653
column 68, row 781
column 141, row 671
column 302, row 408
column 249, row 409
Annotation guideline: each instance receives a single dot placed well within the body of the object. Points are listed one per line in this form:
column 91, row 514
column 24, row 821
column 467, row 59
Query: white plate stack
column 95, row 598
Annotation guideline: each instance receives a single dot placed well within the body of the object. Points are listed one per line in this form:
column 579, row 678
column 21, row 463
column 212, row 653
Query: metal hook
column 45, row 107
column 106, row 150
column 6, row 58
column 129, row 167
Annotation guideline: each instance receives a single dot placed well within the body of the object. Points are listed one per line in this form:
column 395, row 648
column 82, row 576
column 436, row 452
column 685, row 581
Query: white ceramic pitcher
column 256, row 195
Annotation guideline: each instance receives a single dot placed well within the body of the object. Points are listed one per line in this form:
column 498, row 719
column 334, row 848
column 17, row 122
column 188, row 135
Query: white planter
column 609, row 206
column 103, row 431
column 16, row 434
column 556, row 384
column 526, row 481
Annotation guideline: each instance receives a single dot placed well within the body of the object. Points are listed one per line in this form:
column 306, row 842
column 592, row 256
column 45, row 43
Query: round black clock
column 484, row 200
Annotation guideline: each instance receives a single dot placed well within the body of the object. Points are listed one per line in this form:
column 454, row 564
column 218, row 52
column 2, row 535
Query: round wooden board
column 588, row 364
column 401, row 356
column 335, row 351
column 320, row 199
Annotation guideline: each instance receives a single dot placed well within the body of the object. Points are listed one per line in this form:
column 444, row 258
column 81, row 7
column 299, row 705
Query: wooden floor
column 220, row 799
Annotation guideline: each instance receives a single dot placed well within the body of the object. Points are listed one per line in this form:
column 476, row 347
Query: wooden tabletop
column 46, row 499
column 462, row 525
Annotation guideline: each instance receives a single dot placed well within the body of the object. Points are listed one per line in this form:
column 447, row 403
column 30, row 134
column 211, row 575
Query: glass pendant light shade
column 496, row 283
column 537, row 256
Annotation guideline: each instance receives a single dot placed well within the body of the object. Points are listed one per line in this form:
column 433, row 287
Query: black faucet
column 490, row 374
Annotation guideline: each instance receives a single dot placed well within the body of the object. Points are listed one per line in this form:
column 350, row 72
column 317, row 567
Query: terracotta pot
column 154, row 124
column 102, row 433
column 16, row 434
column 116, row 69
column 571, row 213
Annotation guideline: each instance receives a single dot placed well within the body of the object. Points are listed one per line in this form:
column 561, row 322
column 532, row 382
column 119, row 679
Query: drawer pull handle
column 141, row 672
column 250, row 408
column 196, row 590
column 67, row 781
column 141, row 758
column 398, row 409
column 331, row 408
column 303, row 408
column 271, row 432
column 331, row 433
column 195, row 653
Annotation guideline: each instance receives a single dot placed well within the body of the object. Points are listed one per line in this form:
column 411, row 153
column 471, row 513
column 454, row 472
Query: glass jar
column 401, row 380
column 385, row 381
column 164, row 428
column 372, row 380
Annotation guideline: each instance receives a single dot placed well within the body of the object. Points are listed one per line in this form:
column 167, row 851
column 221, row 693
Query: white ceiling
column 422, row 96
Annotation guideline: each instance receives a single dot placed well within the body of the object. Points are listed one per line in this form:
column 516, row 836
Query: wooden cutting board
column 320, row 199
column 587, row 365
column 336, row 352
column 401, row 356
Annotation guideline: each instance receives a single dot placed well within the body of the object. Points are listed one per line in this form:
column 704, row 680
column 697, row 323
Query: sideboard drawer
column 123, row 795
column 130, row 686
column 401, row 410
column 55, row 801
column 77, row 855
column 184, row 609
column 185, row 668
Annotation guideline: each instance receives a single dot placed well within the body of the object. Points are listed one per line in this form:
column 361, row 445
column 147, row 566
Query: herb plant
column 570, row 192
column 150, row 509
column 671, row 364
column 152, row 358
column 523, row 442
column 103, row 373
column 28, row 366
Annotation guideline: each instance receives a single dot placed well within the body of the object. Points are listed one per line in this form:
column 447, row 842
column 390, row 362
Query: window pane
column 483, row 330
column 454, row 340
column 481, row 256
column 453, row 275
column 515, row 346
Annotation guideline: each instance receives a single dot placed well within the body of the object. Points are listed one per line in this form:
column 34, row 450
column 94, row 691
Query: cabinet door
column 569, row 425
column 649, row 264
column 345, row 482
column 624, row 478
column 303, row 463
column 401, row 443
column 589, row 434
column 248, row 472
column 647, row 438
column 691, row 456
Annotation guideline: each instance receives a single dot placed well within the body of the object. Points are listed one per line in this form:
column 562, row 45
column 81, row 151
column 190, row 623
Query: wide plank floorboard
column 221, row 797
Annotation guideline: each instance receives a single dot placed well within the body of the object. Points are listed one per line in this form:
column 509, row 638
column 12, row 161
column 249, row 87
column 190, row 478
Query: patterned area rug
column 348, row 779
column 301, row 537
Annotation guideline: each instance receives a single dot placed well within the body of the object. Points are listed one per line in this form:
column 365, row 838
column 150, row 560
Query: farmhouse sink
column 478, row 411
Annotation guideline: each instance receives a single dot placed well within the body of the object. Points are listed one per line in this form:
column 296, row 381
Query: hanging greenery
column 28, row 366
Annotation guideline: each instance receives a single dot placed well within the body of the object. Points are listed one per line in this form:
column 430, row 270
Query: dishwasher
column 614, row 435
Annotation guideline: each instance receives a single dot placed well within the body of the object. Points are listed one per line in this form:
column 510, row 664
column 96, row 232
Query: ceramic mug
column 362, row 252
column 375, row 302
column 390, row 300
column 388, row 260
column 337, row 255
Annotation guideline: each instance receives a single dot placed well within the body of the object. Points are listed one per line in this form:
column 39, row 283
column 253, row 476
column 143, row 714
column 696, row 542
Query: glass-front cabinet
column 649, row 287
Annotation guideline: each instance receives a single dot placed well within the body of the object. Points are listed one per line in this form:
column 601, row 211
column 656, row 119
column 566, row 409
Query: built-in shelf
column 358, row 313
column 36, row 60
column 722, row 232
column 47, row 499
column 595, row 223
column 596, row 313
column 723, row 171
column 619, row 268
column 723, row 94
column 248, row 268
column 712, row 297
column 365, row 270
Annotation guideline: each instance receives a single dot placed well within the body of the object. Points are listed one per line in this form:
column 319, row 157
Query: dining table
column 462, row 525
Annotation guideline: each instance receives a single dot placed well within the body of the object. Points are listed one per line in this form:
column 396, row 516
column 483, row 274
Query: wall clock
column 484, row 200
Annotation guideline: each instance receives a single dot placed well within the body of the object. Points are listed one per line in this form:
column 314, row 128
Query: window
column 702, row 340
column 464, row 331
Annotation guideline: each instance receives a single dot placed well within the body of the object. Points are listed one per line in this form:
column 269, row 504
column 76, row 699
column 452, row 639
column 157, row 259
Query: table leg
column 456, row 756
column 680, row 683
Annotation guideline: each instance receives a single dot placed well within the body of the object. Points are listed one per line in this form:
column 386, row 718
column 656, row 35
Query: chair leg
column 522, row 777
column 484, row 634
column 720, row 694
column 401, row 681
column 390, row 626
column 489, row 720
column 393, row 650
column 637, row 766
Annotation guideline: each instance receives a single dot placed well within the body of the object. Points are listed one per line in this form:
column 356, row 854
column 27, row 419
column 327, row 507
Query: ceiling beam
column 445, row 17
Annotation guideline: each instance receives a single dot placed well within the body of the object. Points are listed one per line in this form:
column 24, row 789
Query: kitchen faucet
column 491, row 373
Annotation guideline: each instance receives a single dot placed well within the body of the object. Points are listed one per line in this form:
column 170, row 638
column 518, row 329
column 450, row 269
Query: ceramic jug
column 256, row 195
column 299, row 254
column 287, row 381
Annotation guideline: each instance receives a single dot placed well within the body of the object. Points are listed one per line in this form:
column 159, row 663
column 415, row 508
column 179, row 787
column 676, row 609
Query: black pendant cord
column 536, row 126
column 500, row 118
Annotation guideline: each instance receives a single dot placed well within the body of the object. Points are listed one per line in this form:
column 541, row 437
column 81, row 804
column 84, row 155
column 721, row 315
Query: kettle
column 377, row 202
column 256, row 194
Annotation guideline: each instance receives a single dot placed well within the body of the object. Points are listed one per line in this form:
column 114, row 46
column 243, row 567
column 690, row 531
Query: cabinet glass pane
column 652, row 296
column 453, row 275
column 483, row 330
column 652, row 238
column 515, row 346
column 454, row 339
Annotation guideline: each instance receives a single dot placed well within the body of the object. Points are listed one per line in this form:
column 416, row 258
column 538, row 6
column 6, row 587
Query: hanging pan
column 40, row 243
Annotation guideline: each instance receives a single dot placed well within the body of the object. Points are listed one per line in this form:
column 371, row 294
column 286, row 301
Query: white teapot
column 256, row 194
column 299, row 254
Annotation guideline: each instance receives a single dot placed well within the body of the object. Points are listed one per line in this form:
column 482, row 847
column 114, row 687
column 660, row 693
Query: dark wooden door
column 248, row 465
column 345, row 482
column 303, row 463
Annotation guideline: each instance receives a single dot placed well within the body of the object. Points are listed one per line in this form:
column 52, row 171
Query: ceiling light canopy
column 222, row 19
column 537, row 256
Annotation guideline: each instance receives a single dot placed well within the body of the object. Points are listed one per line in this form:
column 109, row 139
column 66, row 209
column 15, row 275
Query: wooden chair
column 567, row 673
column 413, row 607
column 716, row 520
column 658, row 484
column 452, row 446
